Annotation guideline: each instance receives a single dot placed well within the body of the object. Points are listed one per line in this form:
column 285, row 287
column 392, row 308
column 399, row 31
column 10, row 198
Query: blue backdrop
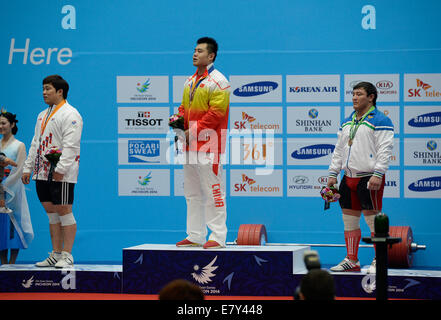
column 109, row 41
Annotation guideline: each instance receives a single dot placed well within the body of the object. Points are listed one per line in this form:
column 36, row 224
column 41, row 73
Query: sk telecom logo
column 241, row 124
column 245, row 181
column 423, row 86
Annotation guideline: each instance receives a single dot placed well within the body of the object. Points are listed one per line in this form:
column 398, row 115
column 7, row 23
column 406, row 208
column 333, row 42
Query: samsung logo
column 314, row 151
column 255, row 88
column 425, row 185
column 426, row 120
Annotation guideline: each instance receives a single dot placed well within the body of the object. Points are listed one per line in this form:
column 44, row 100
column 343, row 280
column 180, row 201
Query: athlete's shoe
column 211, row 244
column 347, row 266
column 65, row 261
column 373, row 267
column 49, row 261
column 187, row 243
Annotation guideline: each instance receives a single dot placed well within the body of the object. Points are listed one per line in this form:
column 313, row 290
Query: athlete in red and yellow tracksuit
column 205, row 107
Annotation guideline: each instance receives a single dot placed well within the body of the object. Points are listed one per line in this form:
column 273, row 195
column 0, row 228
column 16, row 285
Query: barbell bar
column 400, row 255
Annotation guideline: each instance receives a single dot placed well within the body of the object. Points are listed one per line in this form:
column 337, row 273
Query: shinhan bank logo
column 143, row 87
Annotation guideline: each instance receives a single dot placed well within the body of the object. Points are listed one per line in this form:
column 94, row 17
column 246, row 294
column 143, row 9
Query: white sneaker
column 49, row 261
column 65, row 261
column 5, row 210
column 347, row 265
column 373, row 267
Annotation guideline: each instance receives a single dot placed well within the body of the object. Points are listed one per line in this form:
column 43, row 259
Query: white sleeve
column 337, row 156
column 72, row 128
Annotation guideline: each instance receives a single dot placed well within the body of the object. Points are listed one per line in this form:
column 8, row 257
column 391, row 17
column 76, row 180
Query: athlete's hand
column 57, row 176
column 374, row 183
column 26, row 178
column 331, row 181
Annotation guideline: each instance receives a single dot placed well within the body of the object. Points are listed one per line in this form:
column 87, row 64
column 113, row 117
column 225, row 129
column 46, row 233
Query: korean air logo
column 255, row 88
column 313, row 151
column 426, row 120
column 431, row 145
column 426, row 184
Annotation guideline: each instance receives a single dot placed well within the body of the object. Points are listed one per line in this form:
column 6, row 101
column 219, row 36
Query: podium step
column 80, row 278
column 230, row 271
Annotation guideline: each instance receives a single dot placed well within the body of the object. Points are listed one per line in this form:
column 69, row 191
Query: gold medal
column 350, row 142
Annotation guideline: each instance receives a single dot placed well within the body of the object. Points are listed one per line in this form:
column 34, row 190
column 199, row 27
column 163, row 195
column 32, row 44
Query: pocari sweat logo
column 426, row 120
column 426, row 184
column 313, row 151
column 255, row 88
column 143, row 151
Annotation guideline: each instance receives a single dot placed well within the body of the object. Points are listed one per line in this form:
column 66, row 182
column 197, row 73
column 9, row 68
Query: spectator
column 317, row 284
column 181, row 290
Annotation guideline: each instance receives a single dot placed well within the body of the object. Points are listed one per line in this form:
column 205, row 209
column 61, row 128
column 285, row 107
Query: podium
column 230, row 271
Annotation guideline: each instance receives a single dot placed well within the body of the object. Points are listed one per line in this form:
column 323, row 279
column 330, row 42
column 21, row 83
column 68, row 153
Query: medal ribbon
column 197, row 81
column 49, row 115
column 354, row 127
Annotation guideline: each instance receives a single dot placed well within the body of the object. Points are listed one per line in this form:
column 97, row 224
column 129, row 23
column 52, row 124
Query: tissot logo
column 427, row 184
column 255, row 88
column 426, row 120
column 313, row 151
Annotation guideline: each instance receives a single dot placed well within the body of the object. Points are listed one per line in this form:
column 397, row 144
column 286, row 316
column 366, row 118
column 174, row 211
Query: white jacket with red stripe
column 63, row 130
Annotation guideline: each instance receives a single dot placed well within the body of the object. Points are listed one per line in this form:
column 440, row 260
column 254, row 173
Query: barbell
column 400, row 255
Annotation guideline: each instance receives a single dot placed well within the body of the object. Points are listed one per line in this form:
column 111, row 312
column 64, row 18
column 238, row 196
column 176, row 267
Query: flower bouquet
column 176, row 121
column 53, row 155
column 329, row 194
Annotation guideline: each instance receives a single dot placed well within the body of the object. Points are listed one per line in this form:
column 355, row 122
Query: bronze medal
column 350, row 142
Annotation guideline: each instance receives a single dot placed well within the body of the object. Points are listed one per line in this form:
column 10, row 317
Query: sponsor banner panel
column 422, row 119
column 248, row 119
column 387, row 85
column 143, row 182
column 310, row 151
column 140, row 120
column 422, row 152
column 422, row 87
column 142, row 89
column 255, row 150
column 313, row 88
column 265, row 88
column 138, row 151
column 319, row 120
column 422, row 184
column 246, row 183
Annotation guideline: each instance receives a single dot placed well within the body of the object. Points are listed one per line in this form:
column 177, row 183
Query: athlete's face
column 201, row 57
column 361, row 100
column 50, row 95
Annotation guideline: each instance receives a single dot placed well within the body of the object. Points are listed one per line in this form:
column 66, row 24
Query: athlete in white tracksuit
column 60, row 125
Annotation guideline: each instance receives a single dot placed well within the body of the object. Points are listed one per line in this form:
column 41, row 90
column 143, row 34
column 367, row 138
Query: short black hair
column 181, row 289
column 369, row 88
column 12, row 120
column 211, row 45
column 58, row 82
column 318, row 284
